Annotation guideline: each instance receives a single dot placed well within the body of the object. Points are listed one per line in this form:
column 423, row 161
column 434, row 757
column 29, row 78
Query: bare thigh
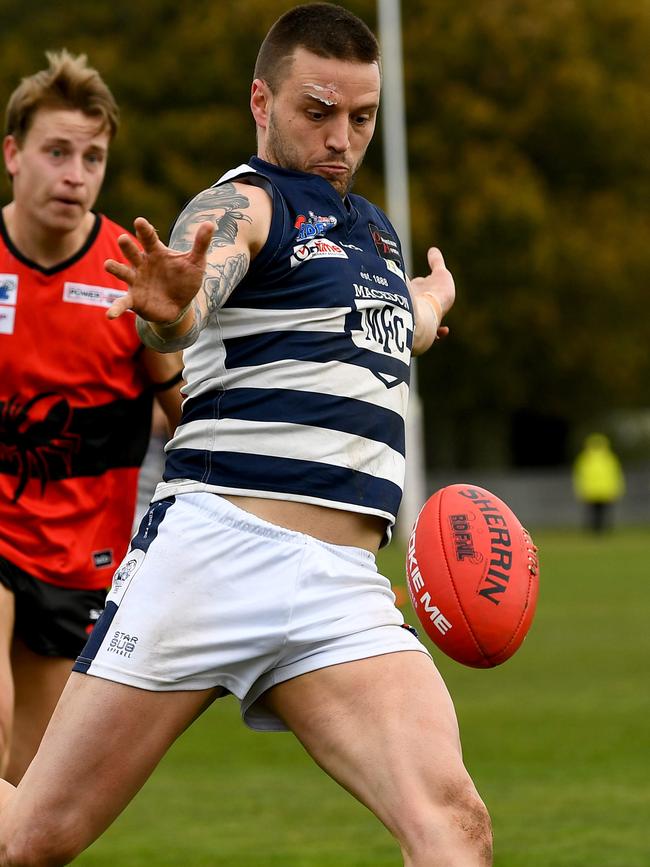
column 373, row 722
column 385, row 728
column 103, row 742
column 7, row 616
column 38, row 683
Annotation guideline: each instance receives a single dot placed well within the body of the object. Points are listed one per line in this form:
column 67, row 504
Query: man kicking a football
column 254, row 570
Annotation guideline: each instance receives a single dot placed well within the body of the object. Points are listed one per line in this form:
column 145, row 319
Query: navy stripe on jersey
column 310, row 346
column 96, row 638
column 237, row 470
column 300, row 407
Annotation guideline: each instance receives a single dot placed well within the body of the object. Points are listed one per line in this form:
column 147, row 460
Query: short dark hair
column 68, row 82
column 324, row 29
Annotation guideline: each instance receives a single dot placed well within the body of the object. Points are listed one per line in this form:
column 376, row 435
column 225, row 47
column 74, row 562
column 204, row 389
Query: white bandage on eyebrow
column 326, row 94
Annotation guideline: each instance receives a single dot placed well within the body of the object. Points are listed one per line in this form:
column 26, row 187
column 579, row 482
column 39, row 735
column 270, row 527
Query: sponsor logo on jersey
column 103, row 558
column 8, row 288
column 316, row 248
column 7, row 320
column 94, row 296
column 394, row 267
column 311, row 226
column 8, row 298
column 385, row 244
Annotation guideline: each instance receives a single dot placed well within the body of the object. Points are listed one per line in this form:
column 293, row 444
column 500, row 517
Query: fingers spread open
column 130, row 249
column 120, row 306
column 146, row 234
column 119, row 270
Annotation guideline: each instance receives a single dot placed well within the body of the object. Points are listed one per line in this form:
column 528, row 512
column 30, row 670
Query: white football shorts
column 210, row 595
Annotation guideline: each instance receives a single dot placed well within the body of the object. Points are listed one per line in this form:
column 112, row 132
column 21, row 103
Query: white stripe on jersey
column 335, row 378
column 296, row 441
column 243, row 321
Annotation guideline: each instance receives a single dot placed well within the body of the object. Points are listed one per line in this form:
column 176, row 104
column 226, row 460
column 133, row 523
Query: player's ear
column 10, row 151
column 260, row 102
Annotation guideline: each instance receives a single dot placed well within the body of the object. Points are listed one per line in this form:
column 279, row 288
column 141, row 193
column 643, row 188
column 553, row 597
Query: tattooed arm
column 224, row 268
column 174, row 290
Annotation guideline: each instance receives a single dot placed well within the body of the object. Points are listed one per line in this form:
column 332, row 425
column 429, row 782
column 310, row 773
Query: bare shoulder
column 241, row 212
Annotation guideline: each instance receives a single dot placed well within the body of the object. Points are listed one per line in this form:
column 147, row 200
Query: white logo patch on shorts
column 122, row 643
column 127, row 569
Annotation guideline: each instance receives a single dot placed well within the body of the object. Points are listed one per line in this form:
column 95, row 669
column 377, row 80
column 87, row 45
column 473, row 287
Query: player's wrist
column 171, row 336
column 426, row 325
column 435, row 305
column 163, row 327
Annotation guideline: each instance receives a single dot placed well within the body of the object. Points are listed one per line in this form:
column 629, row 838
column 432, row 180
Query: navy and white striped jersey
column 297, row 387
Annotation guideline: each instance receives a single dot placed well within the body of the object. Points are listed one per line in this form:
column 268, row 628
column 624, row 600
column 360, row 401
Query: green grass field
column 557, row 740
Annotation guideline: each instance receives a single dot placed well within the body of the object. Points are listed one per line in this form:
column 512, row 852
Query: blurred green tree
column 527, row 124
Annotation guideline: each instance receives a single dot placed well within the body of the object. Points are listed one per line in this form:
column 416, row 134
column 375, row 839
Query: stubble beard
column 282, row 152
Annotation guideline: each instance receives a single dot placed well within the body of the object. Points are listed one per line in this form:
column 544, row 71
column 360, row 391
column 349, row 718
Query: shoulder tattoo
column 224, row 198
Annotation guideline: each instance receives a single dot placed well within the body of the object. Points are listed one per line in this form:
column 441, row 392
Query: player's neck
column 40, row 244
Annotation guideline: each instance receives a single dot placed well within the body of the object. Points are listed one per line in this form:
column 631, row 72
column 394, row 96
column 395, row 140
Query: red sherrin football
column 472, row 574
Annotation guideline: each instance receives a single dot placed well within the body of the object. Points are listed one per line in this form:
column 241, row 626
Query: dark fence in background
column 544, row 498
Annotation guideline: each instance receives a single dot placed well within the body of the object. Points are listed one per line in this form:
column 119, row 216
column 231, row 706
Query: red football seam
column 521, row 619
column 453, row 585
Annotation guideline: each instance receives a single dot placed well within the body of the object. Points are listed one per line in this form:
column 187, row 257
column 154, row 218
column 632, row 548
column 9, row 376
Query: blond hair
column 67, row 83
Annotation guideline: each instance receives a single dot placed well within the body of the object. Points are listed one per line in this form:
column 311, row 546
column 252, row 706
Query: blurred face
column 321, row 117
column 59, row 168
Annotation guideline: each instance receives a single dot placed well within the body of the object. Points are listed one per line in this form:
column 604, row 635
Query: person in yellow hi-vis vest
column 598, row 481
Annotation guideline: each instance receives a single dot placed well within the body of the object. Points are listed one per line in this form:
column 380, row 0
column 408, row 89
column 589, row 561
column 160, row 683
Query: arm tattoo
column 224, row 198
column 220, row 280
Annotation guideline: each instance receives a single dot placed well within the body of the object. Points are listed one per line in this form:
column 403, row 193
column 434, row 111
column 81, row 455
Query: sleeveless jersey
column 74, row 414
column 297, row 387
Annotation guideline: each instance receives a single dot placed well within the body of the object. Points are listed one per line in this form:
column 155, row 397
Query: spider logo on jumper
column 35, row 441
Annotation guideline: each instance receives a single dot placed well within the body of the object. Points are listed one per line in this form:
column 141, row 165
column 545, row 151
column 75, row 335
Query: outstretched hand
column 161, row 282
column 439, row 284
